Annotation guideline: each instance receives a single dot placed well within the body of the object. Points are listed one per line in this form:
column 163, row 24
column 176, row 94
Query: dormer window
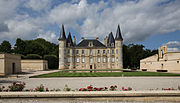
column 90, row 44
column 112, row 44
column 69, row 44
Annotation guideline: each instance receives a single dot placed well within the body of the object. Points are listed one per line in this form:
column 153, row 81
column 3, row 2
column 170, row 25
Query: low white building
column 162, row 62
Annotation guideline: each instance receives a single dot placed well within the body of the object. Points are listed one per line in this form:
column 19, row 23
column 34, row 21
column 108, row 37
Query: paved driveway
column 137, row 83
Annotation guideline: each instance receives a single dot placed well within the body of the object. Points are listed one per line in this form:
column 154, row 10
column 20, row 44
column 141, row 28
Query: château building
column 90, row 53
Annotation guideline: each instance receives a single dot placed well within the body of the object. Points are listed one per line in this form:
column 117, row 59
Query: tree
column 52, row 61
column 5, row 47
column 20, row 46
column 33, row 56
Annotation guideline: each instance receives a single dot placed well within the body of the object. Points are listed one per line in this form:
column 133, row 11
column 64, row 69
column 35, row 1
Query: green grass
column 103, row 74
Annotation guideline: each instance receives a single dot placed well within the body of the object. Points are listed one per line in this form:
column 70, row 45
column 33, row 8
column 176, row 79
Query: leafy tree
column 20, row 46
column 52, row 61
column 5, row 47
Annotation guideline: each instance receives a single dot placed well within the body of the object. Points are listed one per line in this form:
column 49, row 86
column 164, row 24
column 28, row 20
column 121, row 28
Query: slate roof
column 118, row 34
column 85, row 43
column 110, row 40
column 62, row 34
column 69, row 41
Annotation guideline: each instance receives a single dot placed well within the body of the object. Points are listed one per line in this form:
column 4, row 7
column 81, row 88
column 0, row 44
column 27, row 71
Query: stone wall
column 34, row 64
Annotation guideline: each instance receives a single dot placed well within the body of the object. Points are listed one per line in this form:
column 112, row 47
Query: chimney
column 105, row 41
column 97, row 38
column 74, row 40
column 82, row 38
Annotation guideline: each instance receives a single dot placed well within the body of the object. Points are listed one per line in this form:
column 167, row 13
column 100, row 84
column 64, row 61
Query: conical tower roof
column 69, row 41
column 110, row 40
column 62, row 34
column 118, row 34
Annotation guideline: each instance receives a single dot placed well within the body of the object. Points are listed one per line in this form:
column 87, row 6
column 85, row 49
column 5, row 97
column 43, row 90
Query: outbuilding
column 10, row 64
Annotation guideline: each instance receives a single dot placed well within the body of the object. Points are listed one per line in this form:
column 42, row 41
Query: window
column 108, row 59
column 82, row 51
column 90, row 60
column 83, row 60
column 69, row 60
column 68, row 51
column 116, row 51
column 112, row 51
column 90, row 44
column 90, row 52
column 77, row 60
column 77, row 51
column 98, row 52
column 117, row 59
column 112, row 44
column 177, row 61
column 107, row 51
column 69, row 44
column 104, row 51
column 113, row 59
column 104, row 59
column 98, row 60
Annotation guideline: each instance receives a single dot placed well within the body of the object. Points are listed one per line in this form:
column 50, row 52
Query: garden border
column 89, row 94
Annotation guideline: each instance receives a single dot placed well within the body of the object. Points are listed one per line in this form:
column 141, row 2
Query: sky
column 151, row 23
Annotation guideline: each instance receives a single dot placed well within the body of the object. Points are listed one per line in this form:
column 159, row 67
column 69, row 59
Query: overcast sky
column 149, row 22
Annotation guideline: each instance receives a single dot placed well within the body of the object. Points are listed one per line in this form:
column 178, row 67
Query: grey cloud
column 4, row 27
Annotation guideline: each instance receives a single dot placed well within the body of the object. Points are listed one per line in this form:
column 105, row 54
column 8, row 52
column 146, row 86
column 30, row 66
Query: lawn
column 103, row 74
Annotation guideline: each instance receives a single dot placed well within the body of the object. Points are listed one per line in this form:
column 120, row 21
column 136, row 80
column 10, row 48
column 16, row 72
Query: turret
column 118, row 49
column 62, row 48
column 110, row 41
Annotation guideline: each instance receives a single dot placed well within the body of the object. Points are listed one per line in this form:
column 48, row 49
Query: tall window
column 98, row 52
column 83, row 60
column 68, row 60
column 104, row 51
column 77, row 51
column 91, row 60
column 68, row 51
column 113, row 59
column 82, row 51
column 90, row 52
column 98, row 60
column 108, row 59
column 117, row 59
column 112, row 51
column 104, row 59
column 107, row 51
column 77, row 60
column 116, row 51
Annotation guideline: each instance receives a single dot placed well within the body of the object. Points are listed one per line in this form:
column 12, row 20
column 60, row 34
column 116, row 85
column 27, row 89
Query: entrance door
column 90, row 68
column 13, row 68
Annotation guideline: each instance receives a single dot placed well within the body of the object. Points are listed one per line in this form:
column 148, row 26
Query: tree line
column 42, row 49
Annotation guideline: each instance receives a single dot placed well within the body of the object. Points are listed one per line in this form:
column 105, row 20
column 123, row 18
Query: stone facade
column 90, row 53
column 10, row 64
column 163, row 61
column 34, row 64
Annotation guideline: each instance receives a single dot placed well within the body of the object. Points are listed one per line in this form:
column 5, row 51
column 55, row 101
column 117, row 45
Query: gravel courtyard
column 137, row 83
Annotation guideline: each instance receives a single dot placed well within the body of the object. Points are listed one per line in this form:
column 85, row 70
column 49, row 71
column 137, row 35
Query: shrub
column 126, row 89
column 112, row 88
column 52, row 61
column 33, row 56
column 2, row 88
column 16, row 86
column 40, row 88
column 91, row 88
column 66, row 88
